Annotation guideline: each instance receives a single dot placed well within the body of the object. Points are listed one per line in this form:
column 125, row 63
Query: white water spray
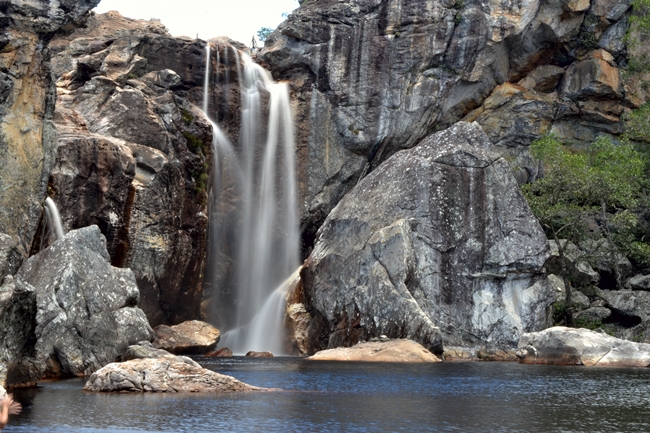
column 54, row 224
column 253, row 210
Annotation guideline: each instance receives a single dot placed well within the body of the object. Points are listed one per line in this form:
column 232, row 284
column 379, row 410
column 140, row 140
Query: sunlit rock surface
column 83, row 311
column 568, row 346
column 436, row 245
column 378, row 351
column 191, row 337
column 162, row 375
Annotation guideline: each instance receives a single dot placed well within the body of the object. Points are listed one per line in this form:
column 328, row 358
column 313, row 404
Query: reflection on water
column 359, row 397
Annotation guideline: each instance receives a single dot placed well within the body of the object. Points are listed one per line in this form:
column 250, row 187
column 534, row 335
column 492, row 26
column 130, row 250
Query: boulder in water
column 253, row 354
column 224, row 352
column 162, row 375
column 191, row 337
column 86, row 312
column 569, row 346
column 400, row 350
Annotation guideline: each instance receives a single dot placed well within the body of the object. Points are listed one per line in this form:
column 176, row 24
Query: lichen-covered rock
column 27, row 135
column 435, row 245
column 633, row 304
column 191, row 337
column 162, row 375
column 568, row 346
column 378, row 351
column 86, row 311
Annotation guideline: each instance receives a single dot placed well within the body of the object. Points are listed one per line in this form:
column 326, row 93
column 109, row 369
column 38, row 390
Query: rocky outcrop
column 191, row 337
column 436, row 245
column 134, row 154
column 378, row 351
column 70, row 312
column 371, row 77
column 162, row 375
column 27, row 135
column 568, row 346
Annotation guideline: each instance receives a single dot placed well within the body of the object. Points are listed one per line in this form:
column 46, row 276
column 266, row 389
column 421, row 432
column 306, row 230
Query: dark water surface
column 360, row 397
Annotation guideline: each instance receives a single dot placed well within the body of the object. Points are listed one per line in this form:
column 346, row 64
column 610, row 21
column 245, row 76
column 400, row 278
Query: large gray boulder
column 436, row 245
column 162, row 375
column 86, row 311
column 569, row 346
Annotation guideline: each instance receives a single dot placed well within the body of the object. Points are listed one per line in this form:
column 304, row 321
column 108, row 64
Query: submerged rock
column 162, row 375
column 436, row 245
column 85, row 311
column 569, row 346
column 253, row 354
column 400, row 350
column 191, row 337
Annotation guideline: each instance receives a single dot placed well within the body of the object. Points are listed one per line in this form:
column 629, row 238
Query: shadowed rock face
column 134, row 153
column 437, row 245
column 27, row 136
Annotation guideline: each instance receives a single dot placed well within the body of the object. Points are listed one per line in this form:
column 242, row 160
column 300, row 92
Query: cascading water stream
column 54, row 224
column 253, row 209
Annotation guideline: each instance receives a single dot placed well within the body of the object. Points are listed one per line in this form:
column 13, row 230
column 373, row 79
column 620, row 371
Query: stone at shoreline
column 223, row 352
column 570, row 346
column 143, row 351
column 86, row 312
column 162, row 375
column 400, row 350
column 191, row 337
column 253, row 354
column 454, row 353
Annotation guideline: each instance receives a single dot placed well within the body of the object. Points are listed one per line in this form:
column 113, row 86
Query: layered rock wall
column 27, row 96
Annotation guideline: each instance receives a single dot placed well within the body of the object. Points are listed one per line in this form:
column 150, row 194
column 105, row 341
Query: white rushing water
column 54, row 224
column 253, row 207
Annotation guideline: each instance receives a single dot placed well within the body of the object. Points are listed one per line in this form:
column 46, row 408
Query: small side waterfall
column 253, row 210
column 53, row 218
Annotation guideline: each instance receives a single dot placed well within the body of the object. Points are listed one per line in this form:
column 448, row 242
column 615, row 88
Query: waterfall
column 54, row 224
column 253, row 211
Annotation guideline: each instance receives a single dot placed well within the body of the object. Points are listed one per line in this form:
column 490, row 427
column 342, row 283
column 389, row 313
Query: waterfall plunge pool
column 359, row 397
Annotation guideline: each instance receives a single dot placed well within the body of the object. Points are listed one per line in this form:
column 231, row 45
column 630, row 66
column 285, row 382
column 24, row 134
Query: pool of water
column 360, row 397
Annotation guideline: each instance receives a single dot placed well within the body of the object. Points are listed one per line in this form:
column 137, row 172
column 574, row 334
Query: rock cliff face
column 371, row 77
column 134, row 154
column 27, row 134
column 436, row 245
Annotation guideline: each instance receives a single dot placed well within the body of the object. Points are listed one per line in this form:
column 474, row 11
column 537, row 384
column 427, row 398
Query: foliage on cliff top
column 604, row 183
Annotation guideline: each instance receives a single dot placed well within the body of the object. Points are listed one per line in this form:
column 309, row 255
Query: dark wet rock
column 10, row 256
column 568, row 346
column 223, row 352
column 162, row 375
column 543, row 79
column 191, row 337
column 436, row 245
column 86, row 312
column 253, row 354
column 378, row 351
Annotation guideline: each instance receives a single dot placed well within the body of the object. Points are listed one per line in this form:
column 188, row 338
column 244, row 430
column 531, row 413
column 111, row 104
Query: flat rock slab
column 162, row 375
column 191, row 337
column 400, row 350
column 569, row 346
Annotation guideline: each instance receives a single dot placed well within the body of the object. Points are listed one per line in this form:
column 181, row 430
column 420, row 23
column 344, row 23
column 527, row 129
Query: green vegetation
column 194, row 143
column 264, row 33
column 187, row 117
column 597, row 193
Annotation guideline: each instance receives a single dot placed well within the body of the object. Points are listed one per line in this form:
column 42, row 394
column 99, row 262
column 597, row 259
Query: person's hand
column 14, row 407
